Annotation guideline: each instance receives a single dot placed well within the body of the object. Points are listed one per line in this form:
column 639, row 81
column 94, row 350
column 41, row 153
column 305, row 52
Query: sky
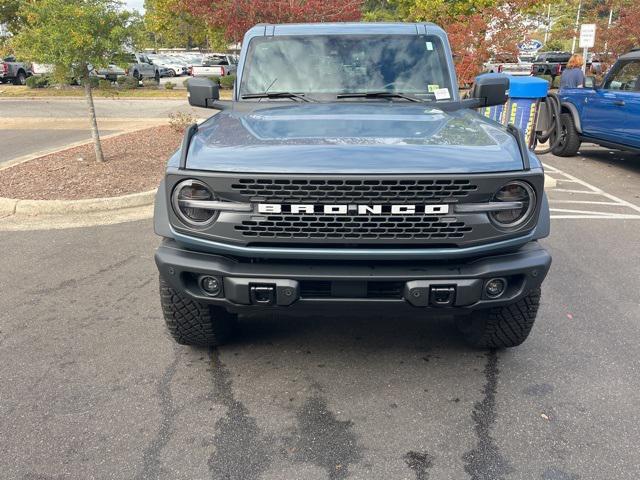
column 135, row 5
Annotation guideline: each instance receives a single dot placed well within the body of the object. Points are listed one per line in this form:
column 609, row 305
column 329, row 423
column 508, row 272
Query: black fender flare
column 568, row 107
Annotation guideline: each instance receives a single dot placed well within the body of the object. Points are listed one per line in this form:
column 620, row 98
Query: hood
column 351, row 137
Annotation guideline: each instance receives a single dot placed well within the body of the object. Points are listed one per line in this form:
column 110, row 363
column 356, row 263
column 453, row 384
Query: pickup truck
column 141, row 67
column 509, row 65
column 348, row 174
column 607, row 114
column 550, row 64
column 216, row 65
column 13, row 71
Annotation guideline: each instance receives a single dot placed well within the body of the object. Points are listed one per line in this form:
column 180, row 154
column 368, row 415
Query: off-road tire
column 570, row 142
column 502, row 327
column 21, row 78
column 193, row 323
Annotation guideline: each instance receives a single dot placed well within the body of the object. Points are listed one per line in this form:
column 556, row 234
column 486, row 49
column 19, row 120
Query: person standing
column 572, row 76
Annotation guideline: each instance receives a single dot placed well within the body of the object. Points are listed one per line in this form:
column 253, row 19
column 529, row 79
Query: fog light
column 495, row 287
column 211, row 285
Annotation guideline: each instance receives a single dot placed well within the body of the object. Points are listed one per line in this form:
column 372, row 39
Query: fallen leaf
column 544, row 416
column 569, row 316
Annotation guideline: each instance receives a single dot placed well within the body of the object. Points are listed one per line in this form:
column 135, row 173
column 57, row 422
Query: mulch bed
column 135, row 162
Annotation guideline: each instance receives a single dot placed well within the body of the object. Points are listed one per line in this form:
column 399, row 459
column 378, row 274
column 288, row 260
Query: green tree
column 73, row 35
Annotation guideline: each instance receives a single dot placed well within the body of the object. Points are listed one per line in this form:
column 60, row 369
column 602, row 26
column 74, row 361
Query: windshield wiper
column 380, row 95
column 296, row 96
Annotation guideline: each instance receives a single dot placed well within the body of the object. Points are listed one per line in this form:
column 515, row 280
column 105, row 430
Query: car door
column 609, row 111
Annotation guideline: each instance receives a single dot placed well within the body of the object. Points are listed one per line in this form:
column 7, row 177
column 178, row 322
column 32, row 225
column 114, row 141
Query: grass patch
column 12, row 91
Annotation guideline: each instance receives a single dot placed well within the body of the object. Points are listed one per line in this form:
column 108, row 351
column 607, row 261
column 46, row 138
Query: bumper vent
column 352, row 190
column 320, row 227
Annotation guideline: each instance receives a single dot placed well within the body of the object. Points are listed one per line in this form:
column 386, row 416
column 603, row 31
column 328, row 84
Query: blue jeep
column 346, row 174
column 608, row 115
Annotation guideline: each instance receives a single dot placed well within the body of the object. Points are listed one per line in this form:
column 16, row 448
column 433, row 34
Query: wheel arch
column 567, row 107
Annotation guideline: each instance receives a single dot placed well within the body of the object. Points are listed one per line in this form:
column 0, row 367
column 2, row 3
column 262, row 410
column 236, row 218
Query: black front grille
column 279, row 190
column 322, row 227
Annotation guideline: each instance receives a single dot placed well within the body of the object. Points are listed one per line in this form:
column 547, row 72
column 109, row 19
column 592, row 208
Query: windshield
column 338, row 64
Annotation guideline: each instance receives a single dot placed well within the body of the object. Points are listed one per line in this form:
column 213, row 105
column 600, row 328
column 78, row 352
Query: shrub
column 104, row 84
column 127, row 82
column 93, row 82
column 149, row 83
column 169, row 86
column 38, row 81
column 180, row 121
column 227, row 82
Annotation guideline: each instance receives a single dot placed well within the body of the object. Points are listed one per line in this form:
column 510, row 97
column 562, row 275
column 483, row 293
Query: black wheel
column 501, row 327
column 21, row 78
column 193, row 323
column 172, row 73
column 569, row 139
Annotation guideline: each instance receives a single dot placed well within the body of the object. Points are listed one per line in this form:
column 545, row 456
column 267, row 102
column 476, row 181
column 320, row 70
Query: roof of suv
column 634, row 54
column 338, row 28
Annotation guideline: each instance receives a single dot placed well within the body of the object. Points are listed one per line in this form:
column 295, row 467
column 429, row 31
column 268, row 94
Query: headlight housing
column 522, row 196
column 184, row 199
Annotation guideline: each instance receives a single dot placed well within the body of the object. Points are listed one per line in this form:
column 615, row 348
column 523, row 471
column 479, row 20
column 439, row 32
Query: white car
column 174, row 67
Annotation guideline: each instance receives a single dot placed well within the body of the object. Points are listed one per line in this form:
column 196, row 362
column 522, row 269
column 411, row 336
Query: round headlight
column 523, row 198
column 185, row 198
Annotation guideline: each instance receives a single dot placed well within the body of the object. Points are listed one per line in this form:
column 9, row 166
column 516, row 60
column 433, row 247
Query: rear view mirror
column 203, row 92
column 589, row 82
column 490, row 89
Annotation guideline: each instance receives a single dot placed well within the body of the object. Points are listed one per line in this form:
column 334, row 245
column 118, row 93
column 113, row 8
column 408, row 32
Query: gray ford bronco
column 347, row 173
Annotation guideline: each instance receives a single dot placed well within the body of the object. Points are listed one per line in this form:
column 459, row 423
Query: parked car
column 607, row 114
column 111, row 72
column 348, row 174
column 550, row 64
column 141, row 67
column 173, row 66
column 508, row 64
column 13, row 71
column 216, row 65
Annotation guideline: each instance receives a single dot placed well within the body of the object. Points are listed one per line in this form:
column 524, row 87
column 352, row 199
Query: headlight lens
column 519, row 192
column 192, row 190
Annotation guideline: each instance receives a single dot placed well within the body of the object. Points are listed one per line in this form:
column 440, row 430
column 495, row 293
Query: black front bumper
column 293, row 286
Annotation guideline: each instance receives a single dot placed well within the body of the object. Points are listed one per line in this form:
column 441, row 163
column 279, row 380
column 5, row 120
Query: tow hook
column 262, row 294
column 442, row 296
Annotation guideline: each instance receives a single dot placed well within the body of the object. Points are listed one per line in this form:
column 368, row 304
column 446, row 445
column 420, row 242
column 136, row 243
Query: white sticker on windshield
column 429, row 46
column 442, row 94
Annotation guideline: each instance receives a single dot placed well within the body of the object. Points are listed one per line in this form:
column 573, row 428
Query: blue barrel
column 521, row 109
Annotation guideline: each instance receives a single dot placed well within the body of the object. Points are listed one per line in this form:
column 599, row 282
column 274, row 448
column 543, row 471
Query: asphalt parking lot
column 92, row 387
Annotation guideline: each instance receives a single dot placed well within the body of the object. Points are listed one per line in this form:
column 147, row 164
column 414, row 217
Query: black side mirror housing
column 490, row 89
column 203, row 92
column 589, row 82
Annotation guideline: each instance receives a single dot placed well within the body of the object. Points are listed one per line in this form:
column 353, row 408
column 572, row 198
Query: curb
column 12, row 206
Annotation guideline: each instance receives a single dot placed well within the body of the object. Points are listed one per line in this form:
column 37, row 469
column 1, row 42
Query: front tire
column 502, row 327
column 570, row 139
column 190, row 322
column 21, row 79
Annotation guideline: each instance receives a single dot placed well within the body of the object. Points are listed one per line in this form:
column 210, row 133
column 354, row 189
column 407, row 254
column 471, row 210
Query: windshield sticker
column 442, row 94
column 432, row 87
column 429, row 46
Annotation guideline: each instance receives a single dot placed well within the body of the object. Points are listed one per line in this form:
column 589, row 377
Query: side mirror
column 203, row 92
column 589, row 82
column 491, row 89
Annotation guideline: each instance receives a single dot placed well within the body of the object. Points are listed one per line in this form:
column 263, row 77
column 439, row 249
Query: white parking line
column 562, row 213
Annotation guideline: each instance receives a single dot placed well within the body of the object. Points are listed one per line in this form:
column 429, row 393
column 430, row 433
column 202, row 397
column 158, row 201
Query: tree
column 73, row 35
column 235, row 17
column 171, row 26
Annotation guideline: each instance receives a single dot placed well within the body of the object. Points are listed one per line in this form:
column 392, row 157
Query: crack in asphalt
column 73, row 282
column 242, row 451
column 420, row 463
column 151, row 455
column 323, row 440
column 485, row 462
